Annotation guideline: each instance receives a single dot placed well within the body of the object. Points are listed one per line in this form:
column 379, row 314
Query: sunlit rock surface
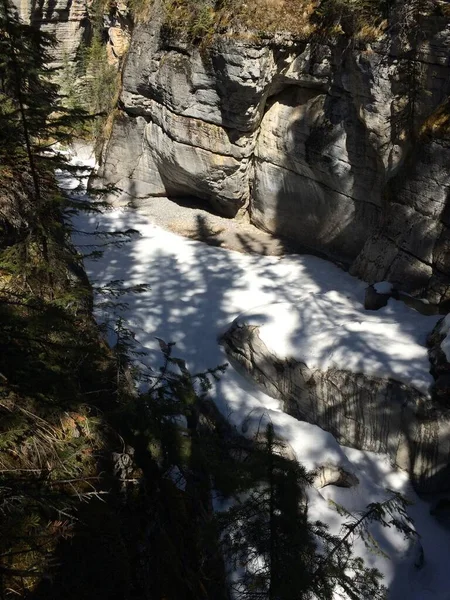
column 316, row 141
column 67, row 20
column 71, row 24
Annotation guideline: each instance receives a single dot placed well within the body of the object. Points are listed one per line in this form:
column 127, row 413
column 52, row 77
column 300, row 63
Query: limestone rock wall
column 364, row 412
column 70, row 22
column 411, row 244
column 67, row 20
column 324, row 144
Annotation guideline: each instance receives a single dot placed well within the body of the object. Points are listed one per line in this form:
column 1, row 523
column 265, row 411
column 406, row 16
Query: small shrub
column 360, row 19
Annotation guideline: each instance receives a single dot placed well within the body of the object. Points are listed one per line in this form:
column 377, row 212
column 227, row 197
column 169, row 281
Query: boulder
column 339, row 389
column 332, row 475
column 374, row 300
column 439, row 351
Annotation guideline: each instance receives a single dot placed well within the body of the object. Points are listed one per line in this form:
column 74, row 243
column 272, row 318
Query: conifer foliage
column 277, row 553
column 81, row 421
column 51, row 358
column 32, row 121
column 31, row 112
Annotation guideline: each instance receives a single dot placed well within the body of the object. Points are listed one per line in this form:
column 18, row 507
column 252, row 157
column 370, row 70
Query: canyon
column 324, row 159
column 337, row 147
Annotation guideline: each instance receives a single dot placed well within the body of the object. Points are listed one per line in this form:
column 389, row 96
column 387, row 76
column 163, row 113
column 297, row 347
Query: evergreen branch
column 20, row 100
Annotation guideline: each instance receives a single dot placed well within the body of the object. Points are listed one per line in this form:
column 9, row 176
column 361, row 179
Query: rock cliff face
column 365, row 412
column 333, row 146
column 67, row 20
column 70, row 22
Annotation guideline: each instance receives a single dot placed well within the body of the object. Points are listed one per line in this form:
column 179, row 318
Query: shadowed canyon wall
column 336, row 146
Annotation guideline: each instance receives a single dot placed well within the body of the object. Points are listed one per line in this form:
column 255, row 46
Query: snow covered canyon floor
column 196, row 291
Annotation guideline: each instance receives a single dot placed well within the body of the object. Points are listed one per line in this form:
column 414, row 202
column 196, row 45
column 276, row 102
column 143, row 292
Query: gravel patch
column 191, row 220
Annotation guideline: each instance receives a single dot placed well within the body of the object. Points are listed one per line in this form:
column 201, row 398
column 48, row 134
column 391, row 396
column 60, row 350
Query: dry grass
column 371, row 32
column 45, row 461
column 141, row 10
column 57, row 445
column 270, row 16
column 438, row 123
column 200, row 20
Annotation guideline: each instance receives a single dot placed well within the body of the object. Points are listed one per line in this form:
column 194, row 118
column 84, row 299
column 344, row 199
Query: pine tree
column 50, row 354
column 278, row 553
column 32, row 121
column 267, row 533
column 30, row 99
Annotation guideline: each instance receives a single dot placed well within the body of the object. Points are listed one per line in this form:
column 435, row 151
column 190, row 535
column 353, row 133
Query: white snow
column 332, row 329
column 445, row 329
column 196, row 291
column 383, row 287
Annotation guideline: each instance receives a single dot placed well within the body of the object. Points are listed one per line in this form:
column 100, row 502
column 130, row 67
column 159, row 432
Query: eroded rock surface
column 67, row 20
column 71, row 24
column 365, row 412
column 333, row 146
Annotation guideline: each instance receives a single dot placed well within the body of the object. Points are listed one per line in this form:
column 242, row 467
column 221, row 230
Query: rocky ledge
column 368, row 391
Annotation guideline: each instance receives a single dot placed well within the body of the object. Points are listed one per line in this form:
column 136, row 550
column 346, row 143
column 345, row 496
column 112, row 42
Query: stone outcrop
column 333, row 146
column 119, row 40
column 361, row 411
column 332, row 475
column 411, row 245
column 70, row 22
column 67, row 20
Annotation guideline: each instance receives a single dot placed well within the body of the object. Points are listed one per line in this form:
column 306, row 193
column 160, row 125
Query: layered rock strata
column 67, row 20
column 333, row 146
